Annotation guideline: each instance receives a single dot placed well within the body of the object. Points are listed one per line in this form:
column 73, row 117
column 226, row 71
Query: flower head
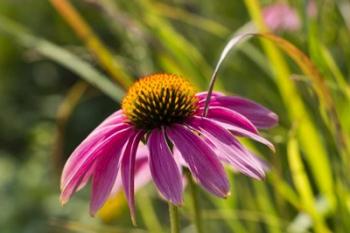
column 159, row 100
column 164, row 112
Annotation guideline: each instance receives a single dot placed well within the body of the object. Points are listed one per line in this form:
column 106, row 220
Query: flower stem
column 148, row 214
column 174, row 219
column 196, row 207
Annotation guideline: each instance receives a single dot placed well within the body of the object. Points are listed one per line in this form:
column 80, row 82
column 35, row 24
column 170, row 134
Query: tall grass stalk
column 92, row 42
column 312, row 145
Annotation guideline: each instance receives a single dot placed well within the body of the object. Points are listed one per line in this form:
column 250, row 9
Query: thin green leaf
column 62, row 57
column 303, row 186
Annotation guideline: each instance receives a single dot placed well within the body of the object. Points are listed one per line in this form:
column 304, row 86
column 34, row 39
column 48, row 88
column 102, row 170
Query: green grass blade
column 62, row 57
column 312, row 143
column 303, row 186
column 265, row 204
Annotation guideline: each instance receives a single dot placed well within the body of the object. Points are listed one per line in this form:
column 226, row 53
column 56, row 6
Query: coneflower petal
column 229, row 116
column 86, row 177
column 141, row 170
column 165, row 171
column 103, row 178
column 201, row 160
column 256, row 113
column 127, row 170
column 260, row 116
column 80, row 154
column 75, row 172
column 106, row 171
column 237, row 131
column 229, row 149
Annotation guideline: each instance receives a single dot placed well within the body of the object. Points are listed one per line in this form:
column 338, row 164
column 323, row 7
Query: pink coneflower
column 164, row 112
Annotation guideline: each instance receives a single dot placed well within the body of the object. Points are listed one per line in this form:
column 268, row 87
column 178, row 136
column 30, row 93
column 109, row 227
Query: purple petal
column 229, row 116
column 127, row 171
column 95, row 138
column 227, row 120
column 85, row 148
column 165, row 171
column 103, row 178
column 85, row 156
column 260, row 116
column 86, row 177
column 141, row 172
column 229, row 149
column 245, row 133
column 201, row 159
column 106, row 172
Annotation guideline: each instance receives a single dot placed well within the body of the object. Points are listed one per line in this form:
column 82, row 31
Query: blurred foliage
column 64, row 68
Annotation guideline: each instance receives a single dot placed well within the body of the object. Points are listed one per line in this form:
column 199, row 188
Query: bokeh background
column 65, row 65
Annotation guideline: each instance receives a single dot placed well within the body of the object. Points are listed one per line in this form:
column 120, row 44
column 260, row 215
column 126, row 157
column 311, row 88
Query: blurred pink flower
column 281, row 17
column 312, row 8
column 164, row 112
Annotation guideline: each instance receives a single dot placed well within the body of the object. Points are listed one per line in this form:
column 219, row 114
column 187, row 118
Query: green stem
column 148, row 213
column 196, row 207
column 174, row 219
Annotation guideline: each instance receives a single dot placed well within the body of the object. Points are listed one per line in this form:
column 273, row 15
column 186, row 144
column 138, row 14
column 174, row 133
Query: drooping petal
column 142, row 175
column 84, row 150
column 103, row 178
column 225, row 118
column 86, row 177
column 77, row 169
column 89, row 144
column 201, row 159
column 165, row 171
column 229, row 149
column 260, row 116
column 245, row 133
column 142, row 171
column 230, row 117
column 127, row 170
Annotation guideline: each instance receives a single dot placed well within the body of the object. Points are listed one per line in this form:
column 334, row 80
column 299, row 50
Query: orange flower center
column 159, row 99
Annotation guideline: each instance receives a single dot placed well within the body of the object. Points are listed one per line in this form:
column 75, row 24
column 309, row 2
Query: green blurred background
column 65, row 65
